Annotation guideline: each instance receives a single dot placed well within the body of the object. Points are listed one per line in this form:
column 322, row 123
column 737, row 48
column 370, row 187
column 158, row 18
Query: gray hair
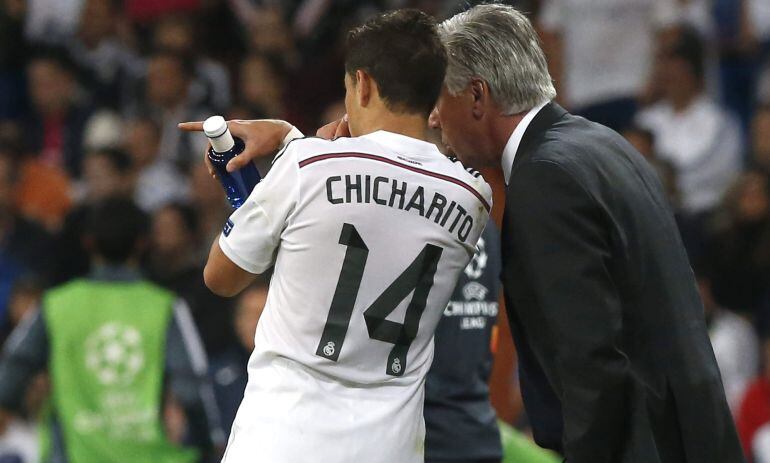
column 498, row 44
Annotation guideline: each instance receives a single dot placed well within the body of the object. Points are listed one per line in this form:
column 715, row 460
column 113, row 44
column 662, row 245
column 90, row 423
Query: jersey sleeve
column 252, row 234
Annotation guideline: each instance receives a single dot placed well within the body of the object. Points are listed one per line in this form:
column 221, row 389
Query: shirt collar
column 509, row 152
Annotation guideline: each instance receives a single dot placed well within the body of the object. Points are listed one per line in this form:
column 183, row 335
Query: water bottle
column 224, row 146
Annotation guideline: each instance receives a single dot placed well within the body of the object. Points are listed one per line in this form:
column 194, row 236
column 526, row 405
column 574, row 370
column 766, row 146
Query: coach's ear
column 364, row 88
column 479, row 90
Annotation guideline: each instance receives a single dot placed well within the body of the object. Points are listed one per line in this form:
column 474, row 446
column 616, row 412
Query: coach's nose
column 434, row 122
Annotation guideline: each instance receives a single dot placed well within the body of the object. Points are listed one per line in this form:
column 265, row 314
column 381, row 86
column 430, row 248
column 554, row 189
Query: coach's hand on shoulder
column 335, row 129
column 262, row 137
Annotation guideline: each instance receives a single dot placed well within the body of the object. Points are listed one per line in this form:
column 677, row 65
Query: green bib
column 107, row 360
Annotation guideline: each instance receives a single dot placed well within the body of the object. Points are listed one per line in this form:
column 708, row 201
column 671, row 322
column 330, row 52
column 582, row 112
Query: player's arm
column 223, row 276
column 252, row 235
column 560, row 234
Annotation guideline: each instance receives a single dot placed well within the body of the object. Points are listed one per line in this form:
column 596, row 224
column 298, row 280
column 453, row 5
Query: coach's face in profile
column 464, row 120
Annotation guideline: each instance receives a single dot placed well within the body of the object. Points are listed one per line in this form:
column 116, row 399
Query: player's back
column 376, row 230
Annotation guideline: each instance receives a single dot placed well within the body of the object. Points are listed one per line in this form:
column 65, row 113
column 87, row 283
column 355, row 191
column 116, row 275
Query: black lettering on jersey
column 400, row 192
column 417, row 201
column 329, row 196
column 437, row 204
column 448, row 213
column 367, row 189
column 460, row 212
column 465, row 228
column 375, row 195
column 360, row 188
column 352, row 186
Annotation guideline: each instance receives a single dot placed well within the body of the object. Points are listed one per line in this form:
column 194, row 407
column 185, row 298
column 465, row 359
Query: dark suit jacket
column 615, row 361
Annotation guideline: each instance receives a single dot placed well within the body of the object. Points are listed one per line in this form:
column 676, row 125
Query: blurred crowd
column 91, row 92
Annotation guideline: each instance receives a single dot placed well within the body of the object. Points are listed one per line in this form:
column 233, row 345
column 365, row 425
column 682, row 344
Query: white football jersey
column 368, row 236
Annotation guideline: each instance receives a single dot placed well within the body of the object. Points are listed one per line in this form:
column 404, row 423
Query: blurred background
column 91, row 92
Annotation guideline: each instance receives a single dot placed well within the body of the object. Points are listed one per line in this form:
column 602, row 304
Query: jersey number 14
column 417, row 277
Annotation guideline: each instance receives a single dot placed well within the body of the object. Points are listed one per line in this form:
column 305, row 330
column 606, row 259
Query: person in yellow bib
column 119, row 350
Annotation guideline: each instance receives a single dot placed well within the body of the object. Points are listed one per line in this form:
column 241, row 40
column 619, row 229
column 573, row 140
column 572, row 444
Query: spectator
column 157, row 181
column 25, row 247
column 104, row 130
column 107, row 173
column 691, row 131
column 760, row 141
column 740, row 246
column 14, row 52
column 25, row 296
column 168, row 101
column 261, row 88
column 103, row 339
column 598, row 81
column 270, row 35
column 51, row 22
column 735, row 345
column 229, row 369
column 210, row 86
column 109, row 69
column 146, row 11
column 644, row 142
column 59, row 112
column 754, row 411
column 174, row 262
column 690, row 228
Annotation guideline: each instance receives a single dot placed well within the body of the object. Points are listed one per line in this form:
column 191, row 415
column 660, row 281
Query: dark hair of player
column 116, row 228
column 403, row 53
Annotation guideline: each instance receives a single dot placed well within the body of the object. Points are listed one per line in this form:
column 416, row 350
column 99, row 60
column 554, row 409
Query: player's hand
column 261, row 138
column 335, row 129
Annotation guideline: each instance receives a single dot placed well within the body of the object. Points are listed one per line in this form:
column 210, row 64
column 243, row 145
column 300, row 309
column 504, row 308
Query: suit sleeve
column 568, row 304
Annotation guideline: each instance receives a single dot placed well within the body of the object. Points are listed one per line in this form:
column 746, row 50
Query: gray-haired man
column 614, row 357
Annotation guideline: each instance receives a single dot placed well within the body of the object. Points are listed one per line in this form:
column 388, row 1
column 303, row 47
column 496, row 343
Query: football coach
column 614, row 357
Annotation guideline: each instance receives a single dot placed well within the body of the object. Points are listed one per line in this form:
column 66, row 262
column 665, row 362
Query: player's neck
column 411, row 125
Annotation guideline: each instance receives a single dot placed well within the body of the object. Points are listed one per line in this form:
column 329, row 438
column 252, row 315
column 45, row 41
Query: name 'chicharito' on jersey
column 367, row 189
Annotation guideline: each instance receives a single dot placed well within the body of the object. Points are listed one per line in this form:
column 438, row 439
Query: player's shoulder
column 470, row 176
column 305, row 148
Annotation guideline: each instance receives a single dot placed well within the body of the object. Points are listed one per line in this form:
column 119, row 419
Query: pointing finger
column 196, row 126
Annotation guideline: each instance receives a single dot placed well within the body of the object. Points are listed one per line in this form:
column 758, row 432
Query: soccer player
column 368, row 236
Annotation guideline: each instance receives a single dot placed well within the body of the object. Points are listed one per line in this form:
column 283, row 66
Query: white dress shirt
column 509, row 152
